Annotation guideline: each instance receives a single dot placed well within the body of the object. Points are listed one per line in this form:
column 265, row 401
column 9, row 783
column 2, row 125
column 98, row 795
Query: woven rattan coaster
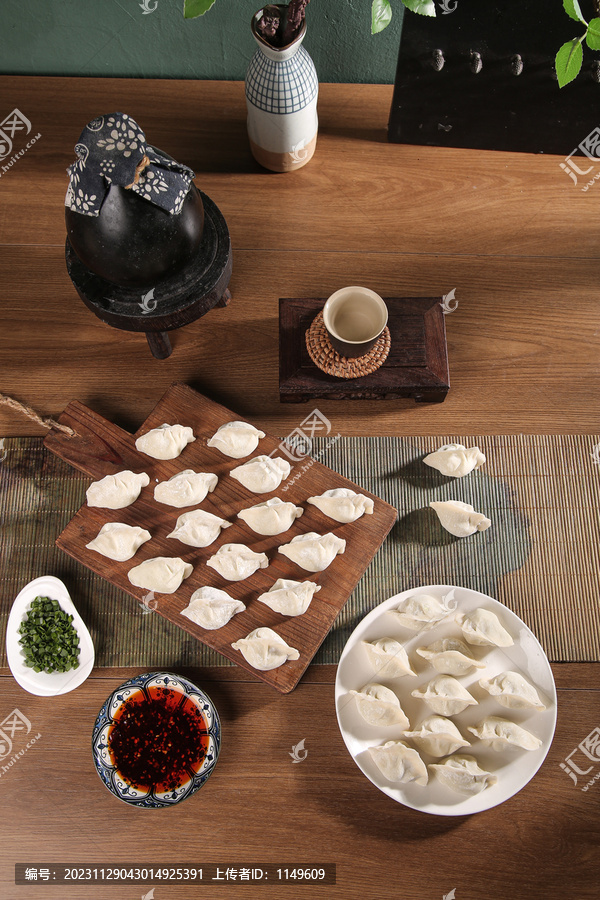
column 329, row 360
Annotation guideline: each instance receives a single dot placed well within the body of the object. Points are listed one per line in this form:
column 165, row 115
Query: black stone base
column 171, row 303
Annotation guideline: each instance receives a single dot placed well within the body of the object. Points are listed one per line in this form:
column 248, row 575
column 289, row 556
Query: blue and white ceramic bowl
column 116, row 784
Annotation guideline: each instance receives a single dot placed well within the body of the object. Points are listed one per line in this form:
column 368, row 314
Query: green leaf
column 568, row 61
column 381, row 15
column 423, row 7
column 572, row 9
column 592, row 37
column 194, row 8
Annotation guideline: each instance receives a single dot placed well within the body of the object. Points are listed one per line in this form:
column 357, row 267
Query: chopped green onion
column 50, row 642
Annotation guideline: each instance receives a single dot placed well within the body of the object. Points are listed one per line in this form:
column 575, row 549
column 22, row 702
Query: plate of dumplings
column 221, row 528
column 445, row 700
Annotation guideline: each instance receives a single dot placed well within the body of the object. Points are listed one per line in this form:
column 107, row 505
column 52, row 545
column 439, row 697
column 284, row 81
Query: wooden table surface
column 518, row 240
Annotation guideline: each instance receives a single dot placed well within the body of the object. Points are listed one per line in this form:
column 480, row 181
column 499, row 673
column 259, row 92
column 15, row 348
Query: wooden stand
column 171, row 303
column 417, row 364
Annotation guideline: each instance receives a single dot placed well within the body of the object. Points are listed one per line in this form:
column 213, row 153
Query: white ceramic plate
column 42, row 683
column 512, row 767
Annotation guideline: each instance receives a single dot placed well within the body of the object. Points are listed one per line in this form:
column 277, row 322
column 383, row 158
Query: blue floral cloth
column 109, row 150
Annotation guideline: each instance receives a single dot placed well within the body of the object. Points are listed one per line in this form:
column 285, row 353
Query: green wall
column 115, row 38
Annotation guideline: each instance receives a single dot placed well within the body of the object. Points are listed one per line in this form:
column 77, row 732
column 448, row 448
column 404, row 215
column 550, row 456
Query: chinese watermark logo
column 299, row 752
column 589, row 750
column 9, row 726
column 447, row 8
column 10, row 128
column 590, row 147
column 13, row 123
column 149, row 603
column 147, row 9
column 299, row 443
column 148, row 303
column 13, row 727
column 595, row 454
column 149, row 895
column 447, row 302
column 4, row 452
column 450, row 895
column 450, row 601
column 299, row 152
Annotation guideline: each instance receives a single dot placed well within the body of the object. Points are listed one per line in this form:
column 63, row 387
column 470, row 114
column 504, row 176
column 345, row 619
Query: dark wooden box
column 417, row 364
column 510, row 98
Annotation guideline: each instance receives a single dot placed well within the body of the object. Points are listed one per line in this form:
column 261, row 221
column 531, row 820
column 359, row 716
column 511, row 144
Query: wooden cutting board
column 101, row 448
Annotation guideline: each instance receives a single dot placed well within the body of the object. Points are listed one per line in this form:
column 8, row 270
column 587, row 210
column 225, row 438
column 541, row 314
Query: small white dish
column 514, row 769
column 45, row 684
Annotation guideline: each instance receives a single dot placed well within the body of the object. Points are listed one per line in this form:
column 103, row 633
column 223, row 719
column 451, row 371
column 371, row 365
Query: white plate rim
column 478, row 802
column 44, row 684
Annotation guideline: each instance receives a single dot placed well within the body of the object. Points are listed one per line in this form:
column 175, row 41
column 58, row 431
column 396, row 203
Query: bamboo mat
column 540, row 557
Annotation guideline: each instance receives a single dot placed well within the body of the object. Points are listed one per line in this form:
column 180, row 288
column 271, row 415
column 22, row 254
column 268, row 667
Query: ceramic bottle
column 281, row 96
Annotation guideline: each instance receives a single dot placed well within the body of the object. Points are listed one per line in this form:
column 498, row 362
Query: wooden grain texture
column 259, row 806
column 103, row 449
column 359, row 192
column 523, row 345
column 518, row 241
column 509, row 231
column 416, row 366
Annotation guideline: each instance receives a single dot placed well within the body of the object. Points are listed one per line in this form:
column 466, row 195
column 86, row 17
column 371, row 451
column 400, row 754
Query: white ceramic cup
column 354, row 318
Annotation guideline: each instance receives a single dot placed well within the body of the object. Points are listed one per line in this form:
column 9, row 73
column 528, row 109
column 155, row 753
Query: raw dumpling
column 455, row 460
column 499, row 733
column 482, row 628
column 187, row 488
column 461, row 773
column 271, row 517
column 198, row 528
column 450, row 656
column 116, row 491
column 162, row 574
column 388, row 658
column 236, row 561
column 343, row 504
column 290, row 598
column 437, row 736
column 378, row 705
column 422, row 611
column 398, row 762
column 513, row 691
column 459, row 518
column 312, row 551
column 211, row 608
column 445, row 695
column 165, row 442
column 119, row 541
column 264, row 649
column 262, row 474
column 236, row 439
